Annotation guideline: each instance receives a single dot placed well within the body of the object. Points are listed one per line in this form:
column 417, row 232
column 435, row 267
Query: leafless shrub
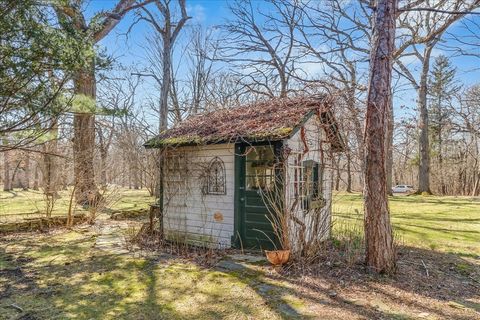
column 49, row 200
column 350, row 241
column 179, row 246
column 98, row 203
column 298, row 227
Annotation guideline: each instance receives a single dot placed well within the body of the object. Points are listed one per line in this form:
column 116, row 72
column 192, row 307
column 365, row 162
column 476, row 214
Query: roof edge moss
column 183, row 141
column 271, row 131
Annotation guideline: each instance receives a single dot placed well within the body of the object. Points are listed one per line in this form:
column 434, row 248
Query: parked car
column 402, row 188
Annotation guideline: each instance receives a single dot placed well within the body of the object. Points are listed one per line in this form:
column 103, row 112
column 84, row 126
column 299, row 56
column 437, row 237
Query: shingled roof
column 271, row 120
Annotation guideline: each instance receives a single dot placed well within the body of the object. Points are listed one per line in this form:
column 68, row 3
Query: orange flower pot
column 278, row 257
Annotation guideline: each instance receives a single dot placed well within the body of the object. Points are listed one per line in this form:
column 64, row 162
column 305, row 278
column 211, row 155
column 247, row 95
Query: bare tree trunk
column 443, row 187
column 337, row 174
column 70, row 17
column 380, row 255
column 50, row 169
column 349, row 172
column 423, row 140
column 166, row 82
column 136, row 180
column 7, row 182
column 169, row 32
column 476, row 186
column 103, row 160
column 357, row 125
column 36, row 177
column 84, row 141
column 27, row 172
column 65, row 175
column 389, row 149
column 103, row 165
column 476, row 175
column 13, row 177
column 48, row 173
column 129, row 177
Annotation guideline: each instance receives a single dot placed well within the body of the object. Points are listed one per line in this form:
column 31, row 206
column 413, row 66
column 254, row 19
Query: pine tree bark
column 380, row 255
column 84, row 141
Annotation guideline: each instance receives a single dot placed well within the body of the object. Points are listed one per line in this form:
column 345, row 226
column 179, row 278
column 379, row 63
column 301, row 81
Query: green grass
column 448, row 224
column 20, row 204
column 65, row 277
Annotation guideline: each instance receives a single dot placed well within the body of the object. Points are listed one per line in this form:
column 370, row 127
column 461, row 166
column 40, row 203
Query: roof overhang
column 323, row 110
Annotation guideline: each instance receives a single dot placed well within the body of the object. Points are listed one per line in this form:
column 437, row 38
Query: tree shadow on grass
column 471, row 235
column 71, row 278
column 188, row 291
column 436, row 200
column 410, row 216
column 292, row 298
column 421, row 216
column 451, row 290
column 68, row 277
column 12, row 192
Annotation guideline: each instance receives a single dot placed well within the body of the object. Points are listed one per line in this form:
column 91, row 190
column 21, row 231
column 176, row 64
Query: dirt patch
column 428, row 284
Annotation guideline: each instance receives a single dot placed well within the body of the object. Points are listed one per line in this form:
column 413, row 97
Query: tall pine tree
column 442, row 86
column 31, row 51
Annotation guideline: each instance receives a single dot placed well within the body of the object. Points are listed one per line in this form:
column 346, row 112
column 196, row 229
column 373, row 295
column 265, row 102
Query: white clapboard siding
column 190, row 213
column 318, row 150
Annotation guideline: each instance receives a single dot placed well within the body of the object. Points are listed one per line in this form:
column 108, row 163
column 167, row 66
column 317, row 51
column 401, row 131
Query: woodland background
column 184, row 65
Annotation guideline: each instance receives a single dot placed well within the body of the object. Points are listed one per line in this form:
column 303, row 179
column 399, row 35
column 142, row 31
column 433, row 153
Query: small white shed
column 226, row 174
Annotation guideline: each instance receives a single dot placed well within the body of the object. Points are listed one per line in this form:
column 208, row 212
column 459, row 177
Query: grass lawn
column 18, row 204
column 446, row 224
column 65, row 274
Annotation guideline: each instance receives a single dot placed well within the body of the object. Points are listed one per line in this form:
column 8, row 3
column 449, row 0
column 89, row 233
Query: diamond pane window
column 216, row 183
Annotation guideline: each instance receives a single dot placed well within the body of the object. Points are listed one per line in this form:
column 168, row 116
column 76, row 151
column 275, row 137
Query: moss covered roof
column 271, row 120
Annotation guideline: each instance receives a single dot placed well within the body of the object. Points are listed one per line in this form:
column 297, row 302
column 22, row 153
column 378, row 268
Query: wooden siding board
column 189, row 211
column 316, row 141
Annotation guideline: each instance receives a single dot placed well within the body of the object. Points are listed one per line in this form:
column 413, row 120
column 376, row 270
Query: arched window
column 216, row 182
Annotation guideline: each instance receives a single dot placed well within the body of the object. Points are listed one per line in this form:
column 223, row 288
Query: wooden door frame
column 239, row 190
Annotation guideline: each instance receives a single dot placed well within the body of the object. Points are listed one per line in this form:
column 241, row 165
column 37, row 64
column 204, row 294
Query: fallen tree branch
column 14, row 306
column 426, row 270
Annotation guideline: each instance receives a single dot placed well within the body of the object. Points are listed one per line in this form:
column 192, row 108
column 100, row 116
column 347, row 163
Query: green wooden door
column 257, row 182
